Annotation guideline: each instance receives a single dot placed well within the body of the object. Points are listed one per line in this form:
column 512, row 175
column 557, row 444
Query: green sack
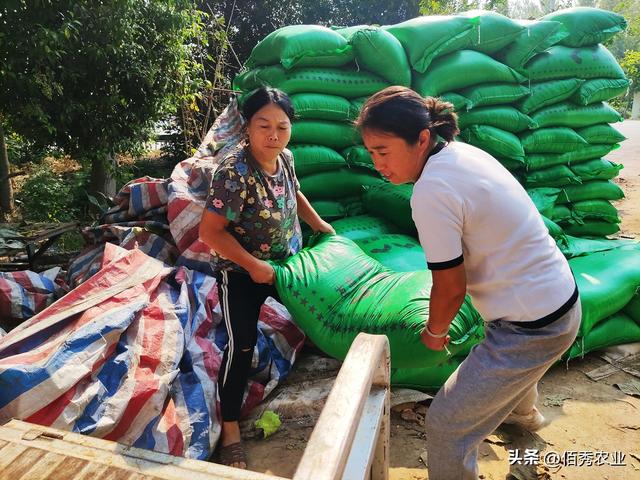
column 458, row 101
column 514, row 166
column 587, row 153
column 560, row 214
column 593, row 228
column 425, row 38
column 332, row 210
column 576, row 247
column 334, row 291
column 551, row 140
column 493, row 31
column 548, row 93
column 557, row 176
column 315, row 158
column 544, row 198
column 601, row 133
column 358, row 156
column 555, row 230
column 363, row 227
column 586, row 25
column 633, row 308
column 538, row 161
column 346, row 182
column 607, row 281
column 615, row 330
column 536, row 37
column 356, row 106
column 493, row 94
column 595, row 210
column 444, row 74
column 391, row 202
column 569, row 115
column 494, row 141
column 331, row 81
column 380, row 52
column 397, row 252
column 502, row 117
column 301, row 46
column 321, row 106
column 428, row 379
column 596, row 189
column 566, row 62
column 321, row 132
column 600, row 90
column 599, row 169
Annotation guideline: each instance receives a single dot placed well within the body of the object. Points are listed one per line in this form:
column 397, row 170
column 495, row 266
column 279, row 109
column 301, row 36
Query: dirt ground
column 587, row 416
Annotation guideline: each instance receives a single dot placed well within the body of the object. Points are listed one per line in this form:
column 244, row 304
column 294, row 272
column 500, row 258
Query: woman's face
column 395, row 159
column 269, row 131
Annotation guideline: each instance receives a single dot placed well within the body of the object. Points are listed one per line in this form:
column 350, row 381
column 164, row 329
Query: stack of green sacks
column 328, row 74
column 529, row 92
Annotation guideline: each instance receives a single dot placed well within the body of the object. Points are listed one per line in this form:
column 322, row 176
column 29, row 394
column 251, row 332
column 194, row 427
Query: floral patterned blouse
column 261, row 208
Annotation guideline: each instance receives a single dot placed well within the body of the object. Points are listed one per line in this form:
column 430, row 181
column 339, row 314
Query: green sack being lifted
column 397, row 252
column 586, row 25
column 444, row 74
column 301, row 46
column 334, row 291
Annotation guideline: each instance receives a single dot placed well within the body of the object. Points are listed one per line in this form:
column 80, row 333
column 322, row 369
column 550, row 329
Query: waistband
column 553, row 316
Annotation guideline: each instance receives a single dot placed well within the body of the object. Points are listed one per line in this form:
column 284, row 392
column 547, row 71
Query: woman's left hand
column 324, row 227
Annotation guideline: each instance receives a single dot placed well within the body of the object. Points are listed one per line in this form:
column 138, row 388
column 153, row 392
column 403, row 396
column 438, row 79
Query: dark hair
column 404, row 113
column 264, row 96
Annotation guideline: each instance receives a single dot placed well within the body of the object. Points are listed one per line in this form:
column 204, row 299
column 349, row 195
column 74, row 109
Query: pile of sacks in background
column 531, row 93
column 132, row 352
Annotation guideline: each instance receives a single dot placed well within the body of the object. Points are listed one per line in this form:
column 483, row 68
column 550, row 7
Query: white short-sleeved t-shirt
column 468, row 208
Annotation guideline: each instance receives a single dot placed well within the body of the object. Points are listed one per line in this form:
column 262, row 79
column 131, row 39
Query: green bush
column 51, row 197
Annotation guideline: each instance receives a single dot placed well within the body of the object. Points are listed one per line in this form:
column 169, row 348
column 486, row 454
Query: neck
column 269, row 165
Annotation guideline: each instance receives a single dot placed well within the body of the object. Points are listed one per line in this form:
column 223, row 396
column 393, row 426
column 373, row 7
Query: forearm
column 225, row 244
column 443, row 307
column 306, row 212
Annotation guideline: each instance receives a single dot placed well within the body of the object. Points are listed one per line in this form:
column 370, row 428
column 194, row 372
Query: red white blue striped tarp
column 132, row 355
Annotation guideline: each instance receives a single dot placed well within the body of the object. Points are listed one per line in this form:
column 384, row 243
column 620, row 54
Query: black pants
column 240, row 300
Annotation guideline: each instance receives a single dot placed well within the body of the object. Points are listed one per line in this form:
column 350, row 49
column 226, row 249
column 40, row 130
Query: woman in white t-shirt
column 482, row 235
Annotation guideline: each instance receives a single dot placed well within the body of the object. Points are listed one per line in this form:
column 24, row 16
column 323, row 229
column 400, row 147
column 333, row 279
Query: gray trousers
column 499, row 376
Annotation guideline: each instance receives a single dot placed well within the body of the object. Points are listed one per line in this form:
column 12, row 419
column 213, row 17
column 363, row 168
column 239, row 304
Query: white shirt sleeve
column 438, row 213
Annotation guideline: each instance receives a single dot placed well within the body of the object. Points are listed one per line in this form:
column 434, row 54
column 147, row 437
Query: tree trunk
column 635, row 108
column 103, row 176
column 6, row 190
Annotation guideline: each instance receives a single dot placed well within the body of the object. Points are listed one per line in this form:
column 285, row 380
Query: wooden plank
column 106, row 459
column 326, row 454
column 365, row 441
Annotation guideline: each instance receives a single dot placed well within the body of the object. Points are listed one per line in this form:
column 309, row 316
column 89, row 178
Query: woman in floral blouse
column 251, row 216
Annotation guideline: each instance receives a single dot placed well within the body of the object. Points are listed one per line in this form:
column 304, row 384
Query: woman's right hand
column 262, row 272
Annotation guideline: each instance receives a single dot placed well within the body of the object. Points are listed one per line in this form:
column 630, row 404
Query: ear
column 424, row 139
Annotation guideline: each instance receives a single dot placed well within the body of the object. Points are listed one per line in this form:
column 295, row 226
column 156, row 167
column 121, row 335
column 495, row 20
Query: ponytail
column 402, row 112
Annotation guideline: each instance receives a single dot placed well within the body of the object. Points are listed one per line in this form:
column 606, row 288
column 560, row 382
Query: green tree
column 93, row 76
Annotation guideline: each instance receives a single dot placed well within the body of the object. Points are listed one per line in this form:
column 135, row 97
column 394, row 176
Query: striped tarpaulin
column 132, row 355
